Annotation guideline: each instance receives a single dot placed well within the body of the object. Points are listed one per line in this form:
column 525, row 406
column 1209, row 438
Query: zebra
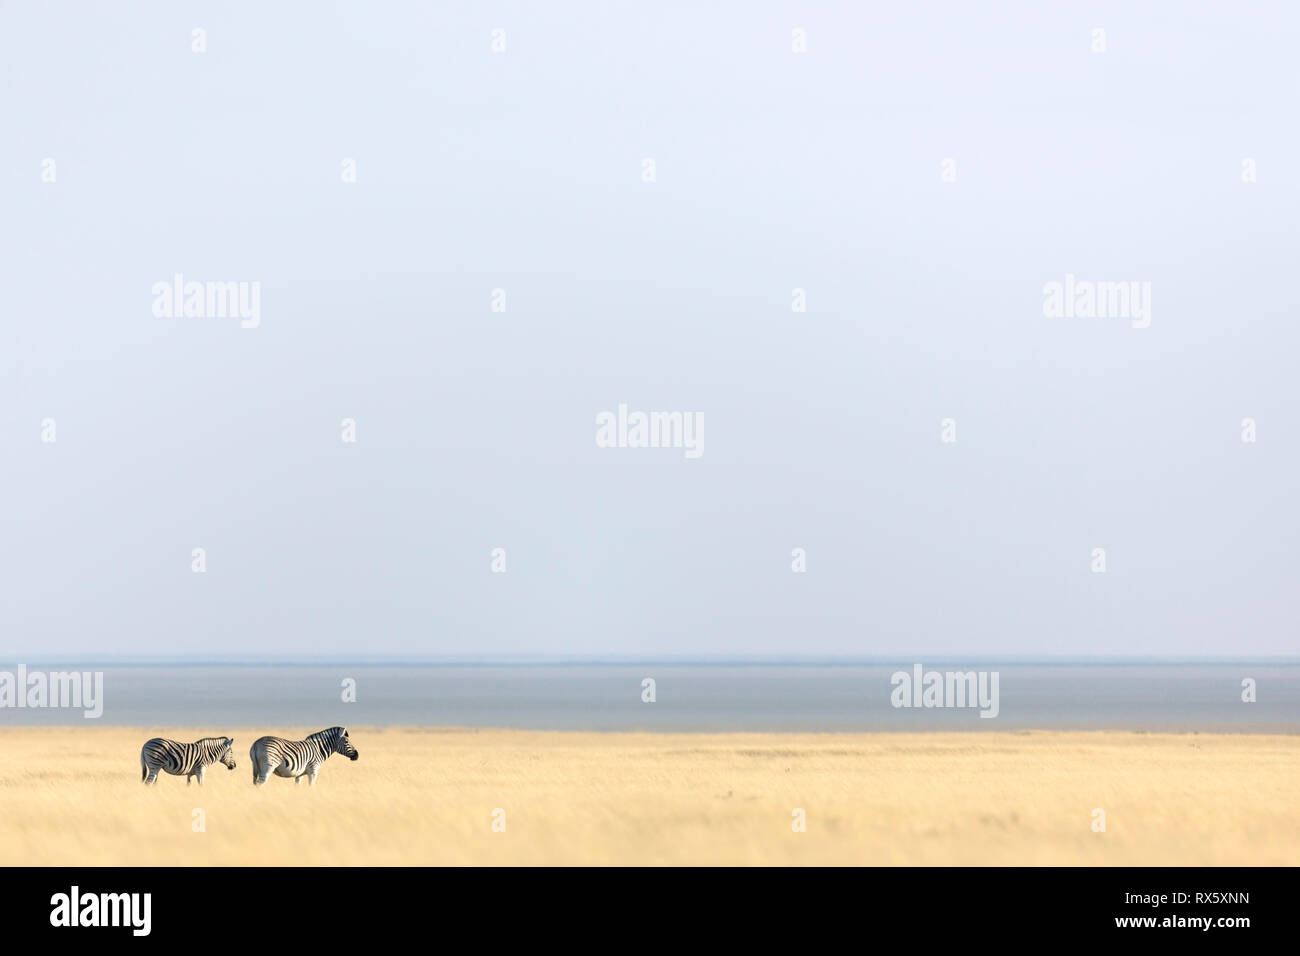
column 189, row 759
column 298, row 758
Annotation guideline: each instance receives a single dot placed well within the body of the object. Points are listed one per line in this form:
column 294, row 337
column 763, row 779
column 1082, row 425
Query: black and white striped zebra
column 177, row 758
column 298, row 758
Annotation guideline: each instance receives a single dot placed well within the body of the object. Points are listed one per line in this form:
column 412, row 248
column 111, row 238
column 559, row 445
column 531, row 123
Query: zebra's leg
column 199, row 774
column 311, row 774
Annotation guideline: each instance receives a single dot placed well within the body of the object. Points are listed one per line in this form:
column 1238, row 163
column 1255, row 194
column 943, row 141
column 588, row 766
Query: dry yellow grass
column 423, row 796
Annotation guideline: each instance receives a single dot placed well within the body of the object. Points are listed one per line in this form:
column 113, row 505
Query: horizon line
column 490, row 660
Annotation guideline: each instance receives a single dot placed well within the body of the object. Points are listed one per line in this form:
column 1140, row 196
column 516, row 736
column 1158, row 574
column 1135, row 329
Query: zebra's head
column 227, row 753
column 344, row 746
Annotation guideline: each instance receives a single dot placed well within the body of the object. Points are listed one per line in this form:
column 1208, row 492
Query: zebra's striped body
column 298, row 758
column 177, row 758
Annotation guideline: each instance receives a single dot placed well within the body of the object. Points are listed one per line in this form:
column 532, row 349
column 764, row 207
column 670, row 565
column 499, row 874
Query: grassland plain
column 72, row 795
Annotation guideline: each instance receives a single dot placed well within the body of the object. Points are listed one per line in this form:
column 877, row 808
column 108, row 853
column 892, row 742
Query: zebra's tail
column 144, row 770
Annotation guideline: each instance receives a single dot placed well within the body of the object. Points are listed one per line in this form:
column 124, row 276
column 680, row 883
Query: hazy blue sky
column 522, row 171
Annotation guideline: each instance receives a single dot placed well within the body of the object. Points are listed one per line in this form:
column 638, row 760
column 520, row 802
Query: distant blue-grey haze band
column 723, row 696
